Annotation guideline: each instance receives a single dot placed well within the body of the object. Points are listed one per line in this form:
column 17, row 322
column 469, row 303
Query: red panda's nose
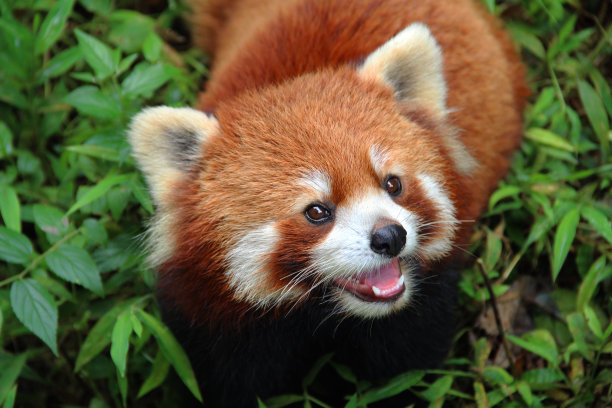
column 388, row 240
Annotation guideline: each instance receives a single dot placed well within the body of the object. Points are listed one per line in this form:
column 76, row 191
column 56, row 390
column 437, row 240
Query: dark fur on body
column 271, row 356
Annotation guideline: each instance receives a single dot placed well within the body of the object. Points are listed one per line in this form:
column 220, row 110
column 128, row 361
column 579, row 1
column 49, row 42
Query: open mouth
column 385, row 283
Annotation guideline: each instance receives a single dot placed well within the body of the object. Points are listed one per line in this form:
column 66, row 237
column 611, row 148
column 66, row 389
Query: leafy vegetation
column 76, row 304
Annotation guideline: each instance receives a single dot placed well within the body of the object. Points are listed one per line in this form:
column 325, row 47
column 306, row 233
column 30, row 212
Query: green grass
column 79, row 325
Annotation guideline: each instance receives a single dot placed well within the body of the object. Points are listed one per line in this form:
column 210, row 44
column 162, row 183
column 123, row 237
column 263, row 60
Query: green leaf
column 493, row 250
column 152, row 47
column 50, row 219
column 503, row 192
column 6, row 140
column 541, row 378
column 159, row 372
column 172, row 350
column 100, row 152
column 539, row 342
column 566, row 231
column 141, row 194
column 599, row 221
column 392, row 387
column 90, row 101
column 14, row 247
column 36, row 309
column 53, row 25
column 98, row 55
column 100, row 334
column 11, row 395
column 120, row 342
column 595, row 112
column 10, row 208
column 75, row 265
column 548, row 138
column 496, row 375
column 314, row 371
column 593, row 322
column 589, row 283
column 102, row 7
column 10, row 373
column 99, row 190
column 438, row 389
column 61, row 63
column 144, row 80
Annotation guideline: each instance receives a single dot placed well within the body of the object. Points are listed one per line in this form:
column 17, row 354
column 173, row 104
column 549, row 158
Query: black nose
column 388, row 240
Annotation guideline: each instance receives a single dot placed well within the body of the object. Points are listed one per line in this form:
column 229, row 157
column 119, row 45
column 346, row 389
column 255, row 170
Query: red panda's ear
column 411, row 63
column 167, row 143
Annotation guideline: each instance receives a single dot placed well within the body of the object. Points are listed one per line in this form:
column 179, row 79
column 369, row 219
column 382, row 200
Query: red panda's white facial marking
column 365, row 279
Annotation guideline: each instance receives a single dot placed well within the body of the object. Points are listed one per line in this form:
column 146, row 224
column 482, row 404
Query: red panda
column 317, row 198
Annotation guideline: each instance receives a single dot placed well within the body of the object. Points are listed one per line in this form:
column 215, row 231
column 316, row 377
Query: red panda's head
column 332, row 186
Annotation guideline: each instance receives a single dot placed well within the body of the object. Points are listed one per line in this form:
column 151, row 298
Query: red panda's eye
column 317, row 213
column 393, row 185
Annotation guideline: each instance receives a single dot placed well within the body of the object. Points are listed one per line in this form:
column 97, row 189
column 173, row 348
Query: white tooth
column 401, row 281
column 376, row 291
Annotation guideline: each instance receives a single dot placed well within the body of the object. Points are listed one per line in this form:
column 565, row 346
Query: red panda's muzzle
column 385, row 283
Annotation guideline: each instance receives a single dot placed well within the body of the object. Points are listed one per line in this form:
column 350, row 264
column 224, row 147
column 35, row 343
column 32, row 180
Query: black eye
column 317, row 213
column 393, row 185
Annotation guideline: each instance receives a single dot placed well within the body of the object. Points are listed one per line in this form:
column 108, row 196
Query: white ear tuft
column 167, row 143
column 411, row 63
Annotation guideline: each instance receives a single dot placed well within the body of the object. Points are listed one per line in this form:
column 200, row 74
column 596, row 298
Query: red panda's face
column 332, row 187
column 322, row 188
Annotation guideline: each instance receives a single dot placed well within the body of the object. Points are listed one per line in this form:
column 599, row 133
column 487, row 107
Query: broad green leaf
column 506, row 191
column 599, row 221
column 50, row 219
column 493, row 250
column 144, row 80
column 152, row 47
column 527, row 39
column 98, row 190
column 102, row 7
column 541, row 378
column 593, row 322
column 6, row 140
column 36, row 309
column 61, row 63
column 159, row 372
column 120, row 342
column 98, row 55
column 595, row 112
column 53, row 25
column 539, row 342
column 9, row 373
column 525, row 391
column 548, row 138
column 172, row 350
column 141, row 194
column 75, row 265
column 14, row 247
column 480, row 395
column 100, row 334
column 90, row 101
column 10, row 208
column 393, row 387
column 438, row 389
column 589, row 283
column 11, row 395
column 129, row 29
column 95, row 151
column 566, row 231
column 496, row 375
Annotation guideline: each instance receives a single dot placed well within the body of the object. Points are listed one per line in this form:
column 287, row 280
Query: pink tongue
column 385, row 278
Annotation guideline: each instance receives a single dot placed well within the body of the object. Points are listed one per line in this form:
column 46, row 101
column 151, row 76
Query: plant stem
column 38, row 259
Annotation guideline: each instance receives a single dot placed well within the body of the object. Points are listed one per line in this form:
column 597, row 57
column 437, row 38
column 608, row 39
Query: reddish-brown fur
column 306, row 51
